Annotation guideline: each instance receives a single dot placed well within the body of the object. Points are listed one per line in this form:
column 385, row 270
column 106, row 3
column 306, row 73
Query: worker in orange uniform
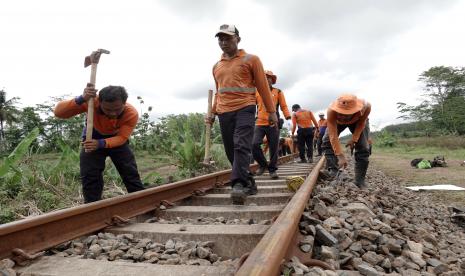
column 348, row 112
column 114, row 121
column 265, row 128
column 305, row 120
column 284, row 147
column 322, row 124
column 290, row 144
column 238, row 75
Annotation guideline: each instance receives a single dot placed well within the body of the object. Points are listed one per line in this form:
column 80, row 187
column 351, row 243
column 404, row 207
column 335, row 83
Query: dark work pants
column 361, row 147
column 272, row 135
column 320, row 141
column 92, row 166
column 237, row 132
column 305, row 137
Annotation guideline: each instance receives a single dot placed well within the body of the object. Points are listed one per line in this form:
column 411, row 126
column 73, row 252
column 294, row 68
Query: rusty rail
column 267, row 256
column 38, row 233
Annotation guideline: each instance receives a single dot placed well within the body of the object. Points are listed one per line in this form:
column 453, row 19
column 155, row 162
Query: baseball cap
column 228, row 29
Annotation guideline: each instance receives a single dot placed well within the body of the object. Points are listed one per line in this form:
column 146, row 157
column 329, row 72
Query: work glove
column 89, row 92
column 341, row 161
column 273, row 119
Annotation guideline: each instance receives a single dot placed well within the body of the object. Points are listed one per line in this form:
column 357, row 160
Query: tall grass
column 452, row 147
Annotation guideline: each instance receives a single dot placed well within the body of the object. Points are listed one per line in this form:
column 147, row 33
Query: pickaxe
column 93, row 60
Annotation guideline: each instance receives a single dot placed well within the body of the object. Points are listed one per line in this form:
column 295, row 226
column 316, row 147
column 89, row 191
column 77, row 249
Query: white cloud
column 164, row 50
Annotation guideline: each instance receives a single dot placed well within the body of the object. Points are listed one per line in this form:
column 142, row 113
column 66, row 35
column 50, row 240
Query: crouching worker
column 114, row 121
column 347, row 112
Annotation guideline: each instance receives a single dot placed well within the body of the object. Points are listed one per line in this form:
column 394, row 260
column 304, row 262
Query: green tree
column 8, row 112
column 442, row 108
column 56, row 129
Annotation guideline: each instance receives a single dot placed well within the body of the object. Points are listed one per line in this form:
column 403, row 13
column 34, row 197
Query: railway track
column 188, row 220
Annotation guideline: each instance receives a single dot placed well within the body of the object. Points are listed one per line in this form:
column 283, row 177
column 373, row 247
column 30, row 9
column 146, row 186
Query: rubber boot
column 360, row 173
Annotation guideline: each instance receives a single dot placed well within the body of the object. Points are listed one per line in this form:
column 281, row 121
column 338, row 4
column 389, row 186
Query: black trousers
column 305, row 137
column 362, row 150
column 272, row 136
column 319, row 141
column 237, row 132
column 92, row 166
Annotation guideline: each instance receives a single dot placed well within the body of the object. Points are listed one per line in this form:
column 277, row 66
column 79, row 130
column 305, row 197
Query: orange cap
column 269, row 73
column 347, row 104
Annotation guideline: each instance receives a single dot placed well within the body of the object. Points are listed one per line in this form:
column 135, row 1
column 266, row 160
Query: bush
column 385, row 139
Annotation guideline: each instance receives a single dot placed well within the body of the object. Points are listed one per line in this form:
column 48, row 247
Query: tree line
column 442, row 109
column 157, row 135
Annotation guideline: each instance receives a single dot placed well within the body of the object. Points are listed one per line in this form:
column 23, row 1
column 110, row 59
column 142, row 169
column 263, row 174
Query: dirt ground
column 395, row 165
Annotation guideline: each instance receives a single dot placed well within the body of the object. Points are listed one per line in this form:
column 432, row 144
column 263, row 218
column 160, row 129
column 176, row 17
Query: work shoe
column 310, row 160
column 238, row 194
column 251, row 189
column 260, row 171
column 303, row 161
column 274, row 175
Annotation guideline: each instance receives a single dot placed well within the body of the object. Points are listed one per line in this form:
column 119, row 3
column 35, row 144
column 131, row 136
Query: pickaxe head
column 94, row 57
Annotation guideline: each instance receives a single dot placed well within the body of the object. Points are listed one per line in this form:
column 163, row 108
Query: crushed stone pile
column 384, row 229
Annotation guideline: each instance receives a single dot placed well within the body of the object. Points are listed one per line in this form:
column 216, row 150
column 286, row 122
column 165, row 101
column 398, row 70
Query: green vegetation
column 39, row 156
column 442, row 110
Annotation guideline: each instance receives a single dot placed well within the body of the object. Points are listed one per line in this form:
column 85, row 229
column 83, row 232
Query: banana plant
column 10, row 163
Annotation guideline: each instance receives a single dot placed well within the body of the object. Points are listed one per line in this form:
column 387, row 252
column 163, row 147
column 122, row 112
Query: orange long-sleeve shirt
column 237, row 79
column 121, row 127
column 322, row 123
column 360, row 118
column 278, row 98
column 304, row 119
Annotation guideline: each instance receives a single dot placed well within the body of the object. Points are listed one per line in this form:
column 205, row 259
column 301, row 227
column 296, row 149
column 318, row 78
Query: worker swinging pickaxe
column 93, row 60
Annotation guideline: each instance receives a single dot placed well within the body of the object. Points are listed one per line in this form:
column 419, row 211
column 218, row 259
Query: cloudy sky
column 163, row 51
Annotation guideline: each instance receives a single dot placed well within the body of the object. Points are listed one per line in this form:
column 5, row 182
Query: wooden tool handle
column 208, row 128
column 90, row 105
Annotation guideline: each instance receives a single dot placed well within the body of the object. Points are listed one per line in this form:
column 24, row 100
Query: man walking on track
column 238, row 75
column 114, row 121
column 305, row 120
column 322, row 130
column 263, row 128
column 348, row 112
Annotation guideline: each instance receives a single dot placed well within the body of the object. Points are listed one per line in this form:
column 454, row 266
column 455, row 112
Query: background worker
column 114, row 121
column 265, row 128
column 348, row 112
column 238, row 75
column 322, row 124
column 285, row 146
column 305, row 120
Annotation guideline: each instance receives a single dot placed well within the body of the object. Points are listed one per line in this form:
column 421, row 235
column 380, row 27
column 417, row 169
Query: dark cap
column 295, row 107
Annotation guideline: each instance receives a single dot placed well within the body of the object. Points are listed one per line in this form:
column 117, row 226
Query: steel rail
column 266, row 258
column 45, row 231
